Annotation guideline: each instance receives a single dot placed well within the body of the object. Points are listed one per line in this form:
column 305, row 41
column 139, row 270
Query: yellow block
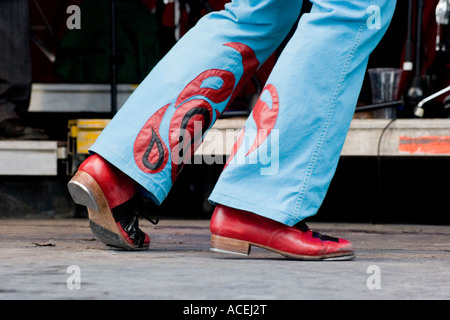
column 83, row 133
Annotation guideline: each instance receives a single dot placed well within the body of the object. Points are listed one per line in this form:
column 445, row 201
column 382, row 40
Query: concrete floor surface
column 59, row 259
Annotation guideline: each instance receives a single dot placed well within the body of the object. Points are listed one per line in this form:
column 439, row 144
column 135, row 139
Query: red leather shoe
column 235, row 231
column 111, row 201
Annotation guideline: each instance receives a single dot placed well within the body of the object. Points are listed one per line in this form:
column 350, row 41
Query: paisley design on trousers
column 195, row 113
column 265, row 119
column 150, row 152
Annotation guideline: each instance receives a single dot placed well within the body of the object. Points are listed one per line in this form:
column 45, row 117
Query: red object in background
column 151, row 4
column 168, row 15
column 429, row 34
column 55, row 14
column 435, row 145
column 218, row 4
column 48, row 24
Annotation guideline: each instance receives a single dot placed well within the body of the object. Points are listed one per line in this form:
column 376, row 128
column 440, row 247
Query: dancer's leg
column 299, row 125
column 284, row 160
column 194, row 82
column 145, row 143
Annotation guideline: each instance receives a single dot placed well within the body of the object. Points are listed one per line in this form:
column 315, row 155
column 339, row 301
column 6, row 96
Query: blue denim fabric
column 292, row 141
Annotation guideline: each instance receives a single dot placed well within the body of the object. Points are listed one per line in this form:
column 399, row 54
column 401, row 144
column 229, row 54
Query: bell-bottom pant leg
column 151, row 134
column 287, row 153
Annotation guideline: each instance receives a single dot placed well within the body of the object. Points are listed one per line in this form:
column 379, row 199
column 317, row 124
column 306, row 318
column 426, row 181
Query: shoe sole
column 240, row 247
column 85, row 191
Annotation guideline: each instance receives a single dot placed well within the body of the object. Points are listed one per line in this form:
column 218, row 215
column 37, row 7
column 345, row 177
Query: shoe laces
column 143, row 209
column 127, row 213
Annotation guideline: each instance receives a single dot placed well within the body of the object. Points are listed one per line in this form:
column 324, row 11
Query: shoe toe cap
column 341, row 246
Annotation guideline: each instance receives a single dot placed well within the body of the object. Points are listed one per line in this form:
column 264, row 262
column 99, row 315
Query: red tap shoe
column 112, row 203
column 235, row 231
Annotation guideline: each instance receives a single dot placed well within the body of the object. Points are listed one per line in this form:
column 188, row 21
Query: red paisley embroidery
column 186, row 130
column 150, row 152
column 264, row 117
column 192, row 117
column 215, row 95
column 249, row 62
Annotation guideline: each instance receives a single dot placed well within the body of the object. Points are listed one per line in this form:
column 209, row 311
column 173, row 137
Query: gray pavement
column 60, row 259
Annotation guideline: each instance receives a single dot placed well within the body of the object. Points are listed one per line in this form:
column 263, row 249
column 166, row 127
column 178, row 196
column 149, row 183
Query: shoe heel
column 228, row 245
column 79, row 188
column 85, row 191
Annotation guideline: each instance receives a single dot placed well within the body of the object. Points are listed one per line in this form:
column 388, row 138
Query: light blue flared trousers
column 286, row 155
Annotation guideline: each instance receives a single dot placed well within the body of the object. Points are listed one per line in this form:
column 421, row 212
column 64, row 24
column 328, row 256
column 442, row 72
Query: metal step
column 57, row 97
column 31, row 158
